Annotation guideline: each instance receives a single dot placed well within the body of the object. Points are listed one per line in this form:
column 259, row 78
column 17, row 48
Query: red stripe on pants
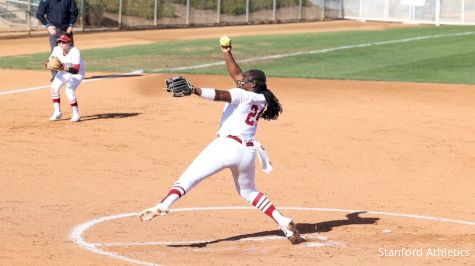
column 270, row 210
column 256, row 200
column 172, row 191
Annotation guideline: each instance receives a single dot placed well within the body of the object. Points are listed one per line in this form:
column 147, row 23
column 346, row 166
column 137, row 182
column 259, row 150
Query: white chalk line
column 325, row 242
column 136, row 72
column 78, row 231
column 321, row 51
column 166, row 243
column 76, row 237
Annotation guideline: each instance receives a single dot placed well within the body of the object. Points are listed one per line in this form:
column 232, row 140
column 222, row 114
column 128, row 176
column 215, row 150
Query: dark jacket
column 59, row 13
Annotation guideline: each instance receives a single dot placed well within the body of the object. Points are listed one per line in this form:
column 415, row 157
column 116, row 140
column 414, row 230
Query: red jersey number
column 252, row 117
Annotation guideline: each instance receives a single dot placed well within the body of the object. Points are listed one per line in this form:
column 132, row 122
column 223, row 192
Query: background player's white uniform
column 71, row 59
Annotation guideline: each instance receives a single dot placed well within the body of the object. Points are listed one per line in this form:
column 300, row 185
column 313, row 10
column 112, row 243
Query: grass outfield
column 434, row 58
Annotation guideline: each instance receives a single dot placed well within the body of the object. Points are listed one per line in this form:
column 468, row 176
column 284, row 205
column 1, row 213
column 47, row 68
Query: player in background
column 235, row 147
column 73, row 73
column 58, row 16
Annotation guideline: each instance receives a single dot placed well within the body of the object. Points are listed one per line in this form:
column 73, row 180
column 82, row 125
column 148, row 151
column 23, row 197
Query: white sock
column 75, row 109
column 281, row 220
column 169, row 200
column 57, row 107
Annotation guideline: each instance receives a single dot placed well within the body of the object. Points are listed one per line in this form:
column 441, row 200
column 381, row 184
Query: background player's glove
column 54, row 64
column 179, row 86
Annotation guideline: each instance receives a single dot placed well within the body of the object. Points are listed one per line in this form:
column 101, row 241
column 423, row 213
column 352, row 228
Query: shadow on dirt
column 353, row 219
column 127, row 75
column 108, row 116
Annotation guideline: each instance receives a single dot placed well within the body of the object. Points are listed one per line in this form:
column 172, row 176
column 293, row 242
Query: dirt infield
column 403, row 148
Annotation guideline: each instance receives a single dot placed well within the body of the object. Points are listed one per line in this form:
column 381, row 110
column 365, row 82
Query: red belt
column 250, row 143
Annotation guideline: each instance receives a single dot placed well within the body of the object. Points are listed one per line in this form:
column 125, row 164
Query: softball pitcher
column 71, row 70
column 235, row 147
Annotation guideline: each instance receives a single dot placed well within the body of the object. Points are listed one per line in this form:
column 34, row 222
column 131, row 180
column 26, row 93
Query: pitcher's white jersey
column 240, row 116
column 72, row 58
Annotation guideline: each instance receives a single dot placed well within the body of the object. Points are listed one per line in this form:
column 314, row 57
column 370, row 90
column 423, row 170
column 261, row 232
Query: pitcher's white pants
column 223, row 153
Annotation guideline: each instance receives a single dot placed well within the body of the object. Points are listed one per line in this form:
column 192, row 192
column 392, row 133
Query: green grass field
column 444, row 59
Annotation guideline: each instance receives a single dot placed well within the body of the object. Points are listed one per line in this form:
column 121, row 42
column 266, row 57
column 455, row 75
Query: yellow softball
column 225, row 41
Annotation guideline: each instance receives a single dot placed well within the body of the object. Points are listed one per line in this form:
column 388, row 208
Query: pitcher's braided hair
column 274, row 108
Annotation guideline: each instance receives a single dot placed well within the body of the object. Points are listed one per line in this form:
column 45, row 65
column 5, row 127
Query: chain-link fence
column 179, row 13
column 20, row 15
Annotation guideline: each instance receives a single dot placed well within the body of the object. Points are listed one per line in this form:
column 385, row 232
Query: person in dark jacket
column 58, row 16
